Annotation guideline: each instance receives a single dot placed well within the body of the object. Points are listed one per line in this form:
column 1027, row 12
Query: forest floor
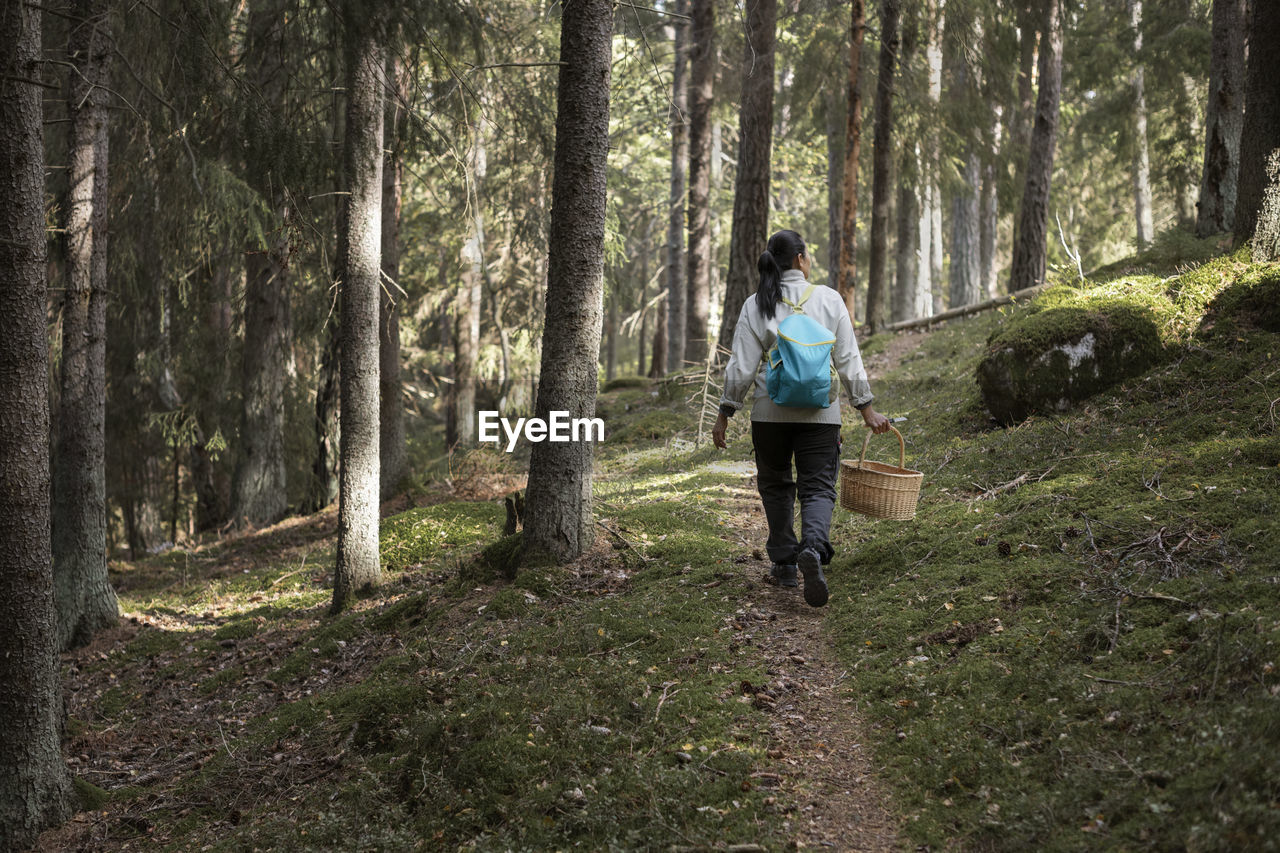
column 1073, row 645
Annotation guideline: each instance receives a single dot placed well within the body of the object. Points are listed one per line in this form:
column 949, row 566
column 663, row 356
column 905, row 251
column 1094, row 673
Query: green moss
column 89, row 797
column 424, row 534
column 627, row 382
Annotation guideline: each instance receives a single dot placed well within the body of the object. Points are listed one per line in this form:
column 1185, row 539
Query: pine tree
column 882, row 163
column 1031, row 243
column 1224, row 119
column 34, row 785
column 1260, row 135
column 677, row 289
column 846, row 274
column 394, row 464
column 359, row 563
column 558, row 521
column 86, row 602
column 698, row 257
column 755, row 146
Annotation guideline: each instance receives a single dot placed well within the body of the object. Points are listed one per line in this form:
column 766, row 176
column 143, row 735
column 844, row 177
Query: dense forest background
column 226, row 121
column 285, row 251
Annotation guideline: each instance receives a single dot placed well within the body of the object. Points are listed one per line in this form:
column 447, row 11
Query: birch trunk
column 1141, row 156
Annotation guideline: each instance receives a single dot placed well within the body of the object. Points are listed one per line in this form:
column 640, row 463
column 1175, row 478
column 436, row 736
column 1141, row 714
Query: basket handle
column 902, row 448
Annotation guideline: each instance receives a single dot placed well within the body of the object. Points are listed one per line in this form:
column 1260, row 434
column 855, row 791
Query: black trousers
column 816, row 451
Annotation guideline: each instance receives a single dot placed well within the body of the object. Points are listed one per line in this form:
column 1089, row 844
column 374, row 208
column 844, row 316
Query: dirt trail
column 822, row 764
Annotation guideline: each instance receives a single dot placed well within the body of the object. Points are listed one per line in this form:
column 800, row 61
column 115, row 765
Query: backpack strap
column 798, row 307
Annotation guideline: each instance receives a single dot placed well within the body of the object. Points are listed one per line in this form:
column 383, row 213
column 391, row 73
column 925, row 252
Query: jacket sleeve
column 744, row 360
column 848, row 361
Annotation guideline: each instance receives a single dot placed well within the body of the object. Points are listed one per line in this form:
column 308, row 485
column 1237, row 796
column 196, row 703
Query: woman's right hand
column 718, row 432
column 876, row 421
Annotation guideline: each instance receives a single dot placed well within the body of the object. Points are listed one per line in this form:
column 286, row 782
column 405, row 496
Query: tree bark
column 698, row 258
column 394, row 464
column 1260, row 134
column 965, row 271
column 467, row 338
column 930, row 297
column 906, row 268
column 558, row 520
column 677, row 291
column 1029, row 251
column 1266, row 236
column 1224, row 119
column 989, row 213
column 358, row 563
column 1141, row 157
column 835, row 169
column 34, row 784
column 882, row 164
column 611, row 338
column 86, row 602
column 755, row 146
column 259, row 493
column 847, row 275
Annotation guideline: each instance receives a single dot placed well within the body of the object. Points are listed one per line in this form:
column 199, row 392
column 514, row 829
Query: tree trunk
column 698, row 258
column 611, row 338
column 677, row 292
column 358, row 563
column 86, row 602
column 989, row 214
column 467, row 339
column 34, row 785
column 1029, row 251
column 847, row 275
column 259, row 493
column 1224, row 119
column 755, row 145
column 1260, row 134
column 328, row 427
column 1266, row 236
column 965, row 285
column 882, row 163
column 931, row 246
column 906, row 270
column 835, row 168
column 558, row 520
column 1141, row 158
column 657, row 365
column 393, row 466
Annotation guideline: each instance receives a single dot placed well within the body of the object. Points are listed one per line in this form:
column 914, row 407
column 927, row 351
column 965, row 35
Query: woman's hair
column 779, row 255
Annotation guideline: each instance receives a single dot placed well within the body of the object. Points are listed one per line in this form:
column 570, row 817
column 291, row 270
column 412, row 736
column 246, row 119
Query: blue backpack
column 798, row 368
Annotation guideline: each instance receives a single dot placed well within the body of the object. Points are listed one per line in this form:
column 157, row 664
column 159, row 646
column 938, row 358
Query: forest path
column 823, row 767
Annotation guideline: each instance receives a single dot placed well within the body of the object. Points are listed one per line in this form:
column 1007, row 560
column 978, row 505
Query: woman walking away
column 796, row 406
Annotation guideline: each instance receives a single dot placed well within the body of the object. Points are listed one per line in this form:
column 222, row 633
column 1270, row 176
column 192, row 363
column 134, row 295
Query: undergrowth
column 1072, row 645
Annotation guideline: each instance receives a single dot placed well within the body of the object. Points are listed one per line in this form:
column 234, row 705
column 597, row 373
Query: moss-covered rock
column 1252, row 301
column 1055, row 358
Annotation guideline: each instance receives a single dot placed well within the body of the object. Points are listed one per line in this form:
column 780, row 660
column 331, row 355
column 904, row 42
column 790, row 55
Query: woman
column 811, row 435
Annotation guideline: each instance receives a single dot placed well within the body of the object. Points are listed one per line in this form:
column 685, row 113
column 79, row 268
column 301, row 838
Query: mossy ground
column 1083, row 658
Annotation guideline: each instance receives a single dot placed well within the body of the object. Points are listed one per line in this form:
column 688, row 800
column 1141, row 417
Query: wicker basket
column 880, row 490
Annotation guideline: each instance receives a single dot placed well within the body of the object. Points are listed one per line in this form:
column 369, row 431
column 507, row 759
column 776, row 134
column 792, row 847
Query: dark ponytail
column 780, row 255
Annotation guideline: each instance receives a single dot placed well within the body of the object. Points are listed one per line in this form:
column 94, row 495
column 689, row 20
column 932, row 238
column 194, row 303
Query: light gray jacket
column 754, row 336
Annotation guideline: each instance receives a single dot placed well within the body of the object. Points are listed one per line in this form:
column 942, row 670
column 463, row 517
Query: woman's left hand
column 876, row 421
column 718, row 431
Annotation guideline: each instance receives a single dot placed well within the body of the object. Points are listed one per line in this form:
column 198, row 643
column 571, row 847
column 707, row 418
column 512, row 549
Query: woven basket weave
column 880, row 490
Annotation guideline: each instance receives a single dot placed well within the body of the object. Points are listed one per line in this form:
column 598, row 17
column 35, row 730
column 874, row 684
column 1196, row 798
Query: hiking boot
column 815, row 584
column 784, row 575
